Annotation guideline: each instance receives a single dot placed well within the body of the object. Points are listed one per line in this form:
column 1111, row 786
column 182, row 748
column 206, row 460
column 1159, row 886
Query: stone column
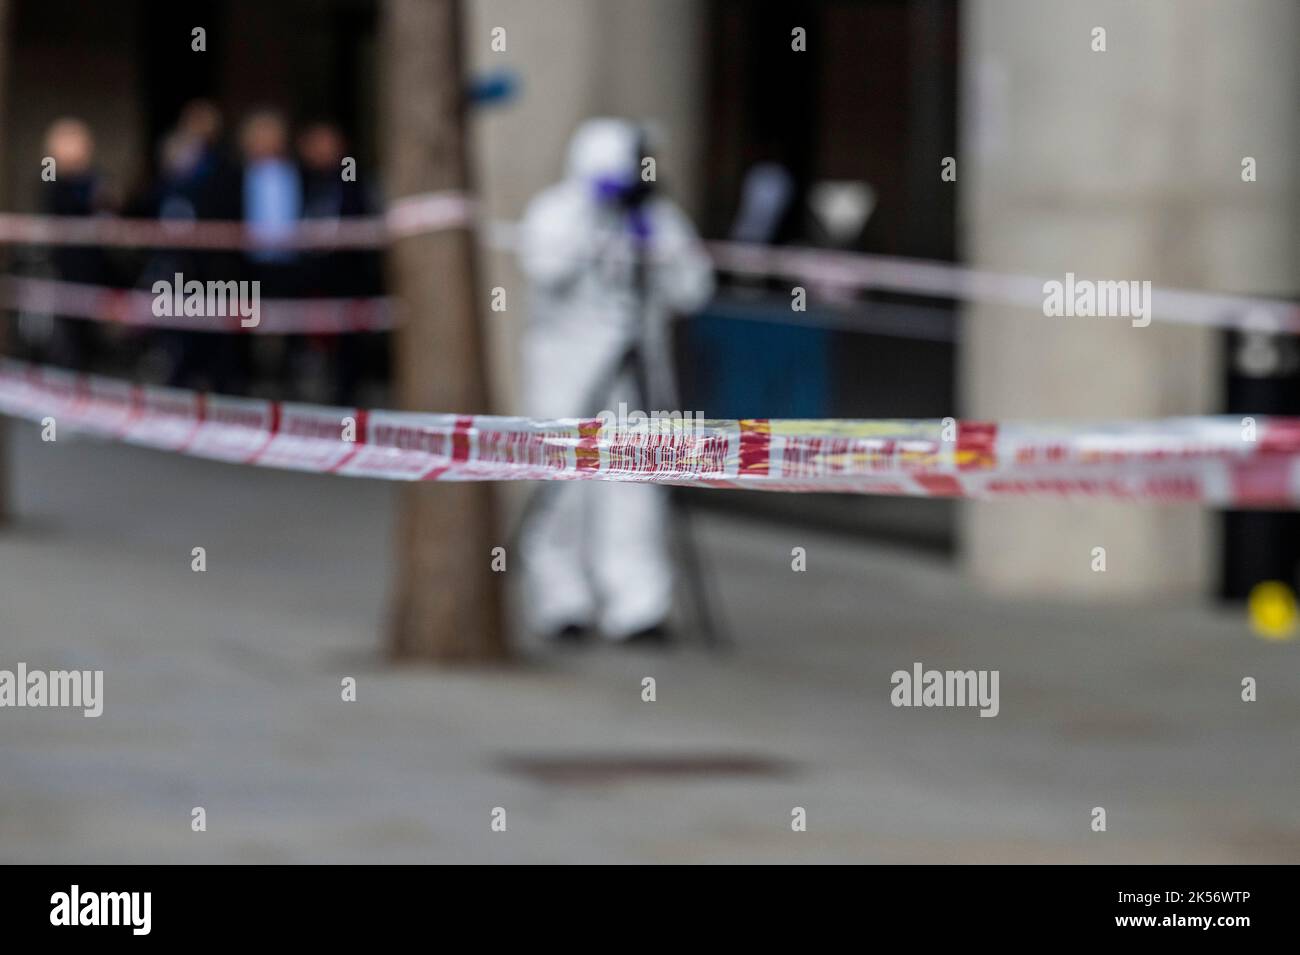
column 1122, row 164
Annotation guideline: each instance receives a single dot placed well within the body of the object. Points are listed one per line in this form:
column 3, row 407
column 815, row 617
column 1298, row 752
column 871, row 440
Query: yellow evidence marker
column 1272, row 608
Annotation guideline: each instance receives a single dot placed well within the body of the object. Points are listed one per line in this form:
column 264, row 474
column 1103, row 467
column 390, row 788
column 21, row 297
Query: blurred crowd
column 266, row 173
column 270, row 173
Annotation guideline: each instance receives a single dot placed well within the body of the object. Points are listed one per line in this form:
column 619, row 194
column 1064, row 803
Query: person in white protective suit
column 607, row 261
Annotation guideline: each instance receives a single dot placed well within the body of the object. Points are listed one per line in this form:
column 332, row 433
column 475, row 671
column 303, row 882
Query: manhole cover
column 598, row 768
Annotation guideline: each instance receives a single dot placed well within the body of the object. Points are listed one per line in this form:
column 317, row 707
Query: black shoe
column 657, row 635
column 571, row 633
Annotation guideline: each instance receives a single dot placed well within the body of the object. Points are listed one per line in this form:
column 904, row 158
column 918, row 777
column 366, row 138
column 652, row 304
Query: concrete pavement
column 223, row 691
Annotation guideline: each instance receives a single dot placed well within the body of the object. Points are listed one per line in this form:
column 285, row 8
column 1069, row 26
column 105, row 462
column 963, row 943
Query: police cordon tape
column 841, row 272
column 135, row 307
column 1212, row 460
column 413, row 215
column 853, row 271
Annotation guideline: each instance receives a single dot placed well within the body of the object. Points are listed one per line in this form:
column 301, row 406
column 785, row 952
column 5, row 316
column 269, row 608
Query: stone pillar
column 1122, row 164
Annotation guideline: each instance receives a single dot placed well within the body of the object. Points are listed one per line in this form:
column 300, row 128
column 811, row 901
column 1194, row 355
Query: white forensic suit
column 595, row 552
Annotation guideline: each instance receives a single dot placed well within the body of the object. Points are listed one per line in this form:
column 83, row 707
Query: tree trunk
column 447, row 599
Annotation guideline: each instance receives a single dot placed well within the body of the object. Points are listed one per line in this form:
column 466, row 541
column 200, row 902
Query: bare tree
column 447, row 599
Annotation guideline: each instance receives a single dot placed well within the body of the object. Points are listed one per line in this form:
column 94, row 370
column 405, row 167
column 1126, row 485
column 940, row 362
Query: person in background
column 272, row 186
column 195, row 182
column 328, row 194
column 190, row 166
column 606, row 259
column 76, row 190
column 271, row 205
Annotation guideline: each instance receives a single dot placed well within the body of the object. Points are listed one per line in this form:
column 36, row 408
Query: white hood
column 603, row 149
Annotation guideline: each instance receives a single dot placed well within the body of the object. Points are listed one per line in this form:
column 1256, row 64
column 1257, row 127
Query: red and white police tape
column 1212, row 460
column 853, row 271
column 831, row 272
column 278, row 316
column 429, row 212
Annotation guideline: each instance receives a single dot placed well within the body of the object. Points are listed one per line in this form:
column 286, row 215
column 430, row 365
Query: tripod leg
column 681, row 534
column 712, row 631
